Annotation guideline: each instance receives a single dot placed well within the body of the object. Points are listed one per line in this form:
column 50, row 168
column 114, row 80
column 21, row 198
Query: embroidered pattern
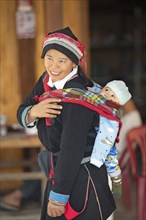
column 84, row 96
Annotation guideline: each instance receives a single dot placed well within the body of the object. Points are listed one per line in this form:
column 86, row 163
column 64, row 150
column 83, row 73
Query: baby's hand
column 90, row 89
column 95, row 88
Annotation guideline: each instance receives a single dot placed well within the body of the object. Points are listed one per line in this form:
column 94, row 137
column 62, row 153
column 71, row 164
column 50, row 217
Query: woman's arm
column 48, row 108
column 30, row 109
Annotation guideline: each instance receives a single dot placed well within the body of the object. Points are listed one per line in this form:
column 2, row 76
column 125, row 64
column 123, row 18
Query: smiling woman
column 57, row 65
column 69, row 137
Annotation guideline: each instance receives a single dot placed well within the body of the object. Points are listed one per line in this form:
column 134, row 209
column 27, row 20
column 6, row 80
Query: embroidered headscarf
column 67, row 43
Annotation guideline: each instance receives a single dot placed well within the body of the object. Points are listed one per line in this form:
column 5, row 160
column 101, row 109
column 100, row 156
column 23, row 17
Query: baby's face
column 108, row 93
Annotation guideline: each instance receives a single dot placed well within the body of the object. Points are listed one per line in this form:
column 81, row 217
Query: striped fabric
column 95, row 102
column 64, row 40
column 65, row 43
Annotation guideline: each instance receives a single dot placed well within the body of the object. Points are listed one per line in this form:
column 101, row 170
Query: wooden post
column 53, row 15
column 39, row 8
column 10, row 96
column 75, row 14
column 9, row 79
column 48, row 18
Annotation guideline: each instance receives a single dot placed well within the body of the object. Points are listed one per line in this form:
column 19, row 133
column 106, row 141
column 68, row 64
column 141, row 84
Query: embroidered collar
column 60, row 83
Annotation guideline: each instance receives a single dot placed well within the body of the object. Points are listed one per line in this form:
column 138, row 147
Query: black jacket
column 72, row 134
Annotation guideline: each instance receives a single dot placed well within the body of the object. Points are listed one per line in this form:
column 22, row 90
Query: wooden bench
column 18, row 140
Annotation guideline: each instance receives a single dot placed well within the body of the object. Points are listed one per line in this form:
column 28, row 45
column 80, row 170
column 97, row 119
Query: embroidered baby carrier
column 91, row 100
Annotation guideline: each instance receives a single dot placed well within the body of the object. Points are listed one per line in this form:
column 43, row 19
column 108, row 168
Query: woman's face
column 57, row 64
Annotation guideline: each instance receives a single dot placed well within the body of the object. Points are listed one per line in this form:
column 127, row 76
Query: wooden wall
column 10, row 92
column 9, row 73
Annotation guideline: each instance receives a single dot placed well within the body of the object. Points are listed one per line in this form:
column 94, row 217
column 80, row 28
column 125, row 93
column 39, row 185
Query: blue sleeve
column 112, row 164
column 59, row 198
column 95, row 88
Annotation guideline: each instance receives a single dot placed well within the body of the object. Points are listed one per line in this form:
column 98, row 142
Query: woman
column 77, row 184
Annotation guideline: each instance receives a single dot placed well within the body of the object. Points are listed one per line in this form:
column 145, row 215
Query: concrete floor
column 122, row 214
column 32, row 211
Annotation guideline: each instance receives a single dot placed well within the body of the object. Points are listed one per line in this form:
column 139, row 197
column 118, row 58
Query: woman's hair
column 86, row 80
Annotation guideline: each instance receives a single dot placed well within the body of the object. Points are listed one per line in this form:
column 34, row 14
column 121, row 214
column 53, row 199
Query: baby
column 104, row 150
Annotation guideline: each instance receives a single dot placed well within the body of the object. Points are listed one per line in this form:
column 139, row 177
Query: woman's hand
column 55, row 210
column 48, row 108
